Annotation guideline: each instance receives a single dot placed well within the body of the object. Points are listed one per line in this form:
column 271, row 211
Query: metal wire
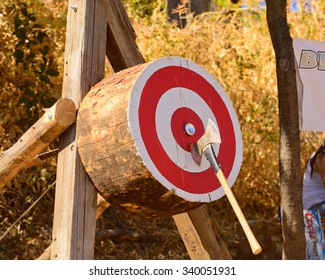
column 29, row 208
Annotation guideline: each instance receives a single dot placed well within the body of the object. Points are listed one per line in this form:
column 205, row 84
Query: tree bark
column 290, row 170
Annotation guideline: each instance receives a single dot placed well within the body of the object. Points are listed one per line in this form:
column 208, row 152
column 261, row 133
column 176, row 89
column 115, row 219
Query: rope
column 29, row 208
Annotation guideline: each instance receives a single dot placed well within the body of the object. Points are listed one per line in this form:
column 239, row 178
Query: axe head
column 210, row 136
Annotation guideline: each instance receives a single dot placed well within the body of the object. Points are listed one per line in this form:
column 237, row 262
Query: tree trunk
column 290, row 170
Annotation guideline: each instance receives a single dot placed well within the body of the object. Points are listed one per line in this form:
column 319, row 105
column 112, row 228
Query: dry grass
column 235, row 47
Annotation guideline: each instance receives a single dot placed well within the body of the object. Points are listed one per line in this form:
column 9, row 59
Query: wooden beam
column 75, row 199
column 201, row 241
column 121, row 49
column 52, row 124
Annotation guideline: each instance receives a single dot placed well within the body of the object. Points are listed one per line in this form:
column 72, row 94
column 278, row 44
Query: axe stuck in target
column 135, row 136
column 204, row 147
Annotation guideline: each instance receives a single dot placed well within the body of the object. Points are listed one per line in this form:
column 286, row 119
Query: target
column 169, row 94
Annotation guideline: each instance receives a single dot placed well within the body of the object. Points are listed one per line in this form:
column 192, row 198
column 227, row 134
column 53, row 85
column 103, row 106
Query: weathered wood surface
column 21, row 155
column 75, row 199
column 121, row 49
column 201, row 241
column 110, row 156
column 102, row 205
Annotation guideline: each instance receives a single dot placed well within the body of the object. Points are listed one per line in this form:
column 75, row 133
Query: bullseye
column 180, row 118
column 175, row 108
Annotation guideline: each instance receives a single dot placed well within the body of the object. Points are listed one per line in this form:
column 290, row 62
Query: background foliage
column 232, row 44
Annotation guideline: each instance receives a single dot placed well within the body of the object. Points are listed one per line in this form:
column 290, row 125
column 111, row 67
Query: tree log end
column 65, row 112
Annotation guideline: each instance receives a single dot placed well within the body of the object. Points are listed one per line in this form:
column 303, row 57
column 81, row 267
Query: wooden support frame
column 96, row 28
column 74, row 216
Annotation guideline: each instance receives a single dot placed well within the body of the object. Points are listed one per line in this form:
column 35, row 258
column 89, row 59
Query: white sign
column 310, row 71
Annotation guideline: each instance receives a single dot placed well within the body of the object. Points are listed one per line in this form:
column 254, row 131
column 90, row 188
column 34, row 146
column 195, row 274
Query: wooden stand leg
column 194, row 226
column 201, row 241
column 102, row 205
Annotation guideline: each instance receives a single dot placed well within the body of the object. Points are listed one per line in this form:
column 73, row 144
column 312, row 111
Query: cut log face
column 132, row 140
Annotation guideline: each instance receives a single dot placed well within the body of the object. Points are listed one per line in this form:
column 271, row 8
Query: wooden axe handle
column 255, row 246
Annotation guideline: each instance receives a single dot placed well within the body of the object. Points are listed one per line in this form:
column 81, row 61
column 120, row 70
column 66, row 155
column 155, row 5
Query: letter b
column 308, row 59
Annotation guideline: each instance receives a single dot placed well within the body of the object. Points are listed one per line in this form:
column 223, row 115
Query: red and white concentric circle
column 169, row 93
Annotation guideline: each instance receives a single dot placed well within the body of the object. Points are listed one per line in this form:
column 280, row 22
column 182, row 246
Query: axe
column 204, row 147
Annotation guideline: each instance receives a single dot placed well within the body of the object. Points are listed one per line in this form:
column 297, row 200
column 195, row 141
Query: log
column 52, row 124
column 110, row 156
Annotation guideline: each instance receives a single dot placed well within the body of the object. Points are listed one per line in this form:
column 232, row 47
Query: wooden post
column 75, row 200
column 121, row 49
column 201, row 241
column 102, row 205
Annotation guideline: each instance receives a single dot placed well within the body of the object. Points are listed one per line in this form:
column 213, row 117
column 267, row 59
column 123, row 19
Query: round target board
column 171, row 94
